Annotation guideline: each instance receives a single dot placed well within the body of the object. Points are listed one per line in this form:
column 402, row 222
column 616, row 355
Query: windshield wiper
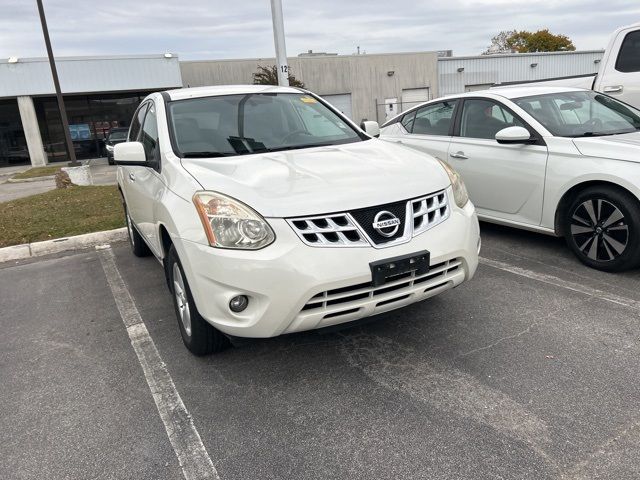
column 205, row 154
column 297, row 147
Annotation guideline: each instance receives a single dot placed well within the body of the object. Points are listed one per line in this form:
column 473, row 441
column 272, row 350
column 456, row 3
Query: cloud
column 197, row 29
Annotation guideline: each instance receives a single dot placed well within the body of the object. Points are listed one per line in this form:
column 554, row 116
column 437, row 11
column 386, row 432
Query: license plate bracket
column 383, row 271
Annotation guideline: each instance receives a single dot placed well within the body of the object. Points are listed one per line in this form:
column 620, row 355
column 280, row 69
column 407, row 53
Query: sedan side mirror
column 130, row 154
column 514, row 135
column 371, row 128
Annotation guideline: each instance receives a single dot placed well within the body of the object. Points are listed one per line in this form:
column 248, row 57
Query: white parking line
column 185, row 439
column 559, row 282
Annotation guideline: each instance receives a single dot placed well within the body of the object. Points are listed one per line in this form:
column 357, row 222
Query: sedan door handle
column 459, row 155
column 132, row 177
column 612, row 89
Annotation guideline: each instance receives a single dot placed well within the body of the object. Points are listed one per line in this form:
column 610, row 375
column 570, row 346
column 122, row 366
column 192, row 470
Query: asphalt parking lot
column 530, row 371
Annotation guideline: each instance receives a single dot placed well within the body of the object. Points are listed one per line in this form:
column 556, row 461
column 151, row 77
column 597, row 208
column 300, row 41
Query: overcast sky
column 208, row 29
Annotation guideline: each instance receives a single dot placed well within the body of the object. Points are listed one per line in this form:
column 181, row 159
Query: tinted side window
column 149, row 137
column 629, row 55
column 485, row 118
column 434, row 119
column 138, row 118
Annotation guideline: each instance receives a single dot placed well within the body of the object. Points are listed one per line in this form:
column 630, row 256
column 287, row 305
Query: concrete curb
column 34, row 179
column 78, row 242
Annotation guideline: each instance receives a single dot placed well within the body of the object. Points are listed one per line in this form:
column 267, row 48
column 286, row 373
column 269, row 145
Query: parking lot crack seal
column 499, row 341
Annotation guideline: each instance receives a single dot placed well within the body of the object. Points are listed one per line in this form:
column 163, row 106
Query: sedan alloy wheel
column 600, row 230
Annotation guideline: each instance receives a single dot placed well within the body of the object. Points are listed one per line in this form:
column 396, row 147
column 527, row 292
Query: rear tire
column 602, row 226
column 138, row 246
column 200, row 337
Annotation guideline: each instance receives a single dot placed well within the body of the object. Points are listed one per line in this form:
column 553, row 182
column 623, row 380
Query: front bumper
column 293, row 287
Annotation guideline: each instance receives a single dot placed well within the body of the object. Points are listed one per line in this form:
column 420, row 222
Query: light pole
column 278, row 37
column 56, row 83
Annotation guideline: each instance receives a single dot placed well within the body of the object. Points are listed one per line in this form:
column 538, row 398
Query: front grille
column 352, row 299
column 337, row 230
column 355, row 228
column 429, row 211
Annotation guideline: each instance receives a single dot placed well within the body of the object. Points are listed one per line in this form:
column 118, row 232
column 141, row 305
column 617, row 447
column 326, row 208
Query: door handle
column 459, row 155
column 612, row 89
column 132, row 177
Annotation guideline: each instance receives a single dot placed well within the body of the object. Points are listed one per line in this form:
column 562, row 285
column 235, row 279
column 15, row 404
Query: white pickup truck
column 619, row 73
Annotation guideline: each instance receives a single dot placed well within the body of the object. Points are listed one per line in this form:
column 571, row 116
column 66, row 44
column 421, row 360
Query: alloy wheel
column 181, row 299
column 600, row 230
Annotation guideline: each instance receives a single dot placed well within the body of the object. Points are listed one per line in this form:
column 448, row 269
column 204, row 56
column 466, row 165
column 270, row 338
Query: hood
column 625, row 146
column 321, row 180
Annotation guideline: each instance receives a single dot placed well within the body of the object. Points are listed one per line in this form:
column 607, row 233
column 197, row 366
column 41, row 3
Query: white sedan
column 561, row 161
column 273, row 213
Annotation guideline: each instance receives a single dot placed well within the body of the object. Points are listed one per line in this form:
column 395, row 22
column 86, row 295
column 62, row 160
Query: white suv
column 273, row 213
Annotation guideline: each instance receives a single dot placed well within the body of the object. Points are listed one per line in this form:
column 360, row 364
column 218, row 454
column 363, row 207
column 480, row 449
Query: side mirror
column 513, row 135
column 130, row 154
column 371, row 128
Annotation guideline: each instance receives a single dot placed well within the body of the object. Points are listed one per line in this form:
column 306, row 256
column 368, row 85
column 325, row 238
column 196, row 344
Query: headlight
column 231, row 224
column 109, row 147
column 460, row 194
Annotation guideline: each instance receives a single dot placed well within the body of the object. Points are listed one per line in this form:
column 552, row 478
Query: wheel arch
column 165, row 245
column 568, row 196
column 165, row 240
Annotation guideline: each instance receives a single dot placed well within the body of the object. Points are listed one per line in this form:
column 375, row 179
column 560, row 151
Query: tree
column 529, row 42
column 269, row 76
column 499, row 43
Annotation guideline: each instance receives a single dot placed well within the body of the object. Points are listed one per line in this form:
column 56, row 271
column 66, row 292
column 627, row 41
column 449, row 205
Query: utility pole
column 54, row 72
column 278, row 37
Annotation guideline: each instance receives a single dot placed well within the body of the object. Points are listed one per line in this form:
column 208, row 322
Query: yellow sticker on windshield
column 308, row 100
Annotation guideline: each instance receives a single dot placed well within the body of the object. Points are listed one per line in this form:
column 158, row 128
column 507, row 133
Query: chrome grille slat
column 321, row 304
column 435, row 206
column 328, row 297
column 321, row 239
column 342, row 230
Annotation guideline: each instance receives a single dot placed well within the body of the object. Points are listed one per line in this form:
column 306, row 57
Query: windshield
column 120, row 135
column 581, row 114
column 254, row 123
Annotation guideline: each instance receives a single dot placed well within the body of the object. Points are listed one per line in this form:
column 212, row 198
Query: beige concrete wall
column 365, row 77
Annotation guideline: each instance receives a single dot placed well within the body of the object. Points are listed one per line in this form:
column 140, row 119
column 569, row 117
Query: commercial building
column 103, row 92
column 100, row 93
column 372, row 87
column 466, row 74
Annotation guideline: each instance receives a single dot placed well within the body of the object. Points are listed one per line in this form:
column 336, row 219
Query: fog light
column 238, row 303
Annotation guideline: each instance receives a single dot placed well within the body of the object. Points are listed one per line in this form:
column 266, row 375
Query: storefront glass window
column 13, row 147
column 91, row 118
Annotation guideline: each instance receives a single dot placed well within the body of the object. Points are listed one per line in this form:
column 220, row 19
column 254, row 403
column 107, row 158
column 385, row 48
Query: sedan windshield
column 581, row 114
column 117, row 136
column 254, row 123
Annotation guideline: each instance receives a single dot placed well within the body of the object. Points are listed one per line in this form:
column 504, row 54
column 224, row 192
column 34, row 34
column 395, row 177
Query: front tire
column 198, row 335
column 602, row 228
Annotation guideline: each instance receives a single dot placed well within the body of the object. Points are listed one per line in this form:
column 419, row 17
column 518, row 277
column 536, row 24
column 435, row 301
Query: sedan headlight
column 231, row 224
column 460, row 194
column 109, row 147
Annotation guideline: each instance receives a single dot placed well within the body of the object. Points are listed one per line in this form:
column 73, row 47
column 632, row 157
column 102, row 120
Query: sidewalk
column 101, row 173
